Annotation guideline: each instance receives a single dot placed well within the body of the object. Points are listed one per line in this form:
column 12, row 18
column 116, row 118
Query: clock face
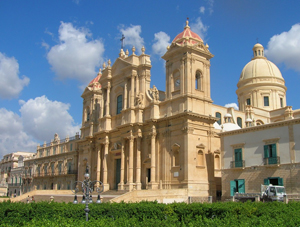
column 177, row 82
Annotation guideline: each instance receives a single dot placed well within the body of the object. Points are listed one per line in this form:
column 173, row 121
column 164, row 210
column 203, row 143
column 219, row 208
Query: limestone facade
column 268, row 154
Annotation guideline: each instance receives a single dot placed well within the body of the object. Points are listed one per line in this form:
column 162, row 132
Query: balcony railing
column 237, row 164
column 14, row 185
column 272, row 160
column 55, row 173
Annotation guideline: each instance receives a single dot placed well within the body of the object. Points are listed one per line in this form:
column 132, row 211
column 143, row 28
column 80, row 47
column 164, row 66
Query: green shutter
column 266, row 181
column 232, row 187
column 241, row 185
column 266, row 153
column 274, row 152
column 280, row 181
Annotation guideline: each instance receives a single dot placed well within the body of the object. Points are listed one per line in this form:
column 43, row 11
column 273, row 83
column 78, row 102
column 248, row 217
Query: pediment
column 118, row 66
column 201, row 146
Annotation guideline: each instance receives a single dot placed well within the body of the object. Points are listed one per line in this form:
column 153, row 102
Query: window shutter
column 280, row 181
column 241, row 185
column 266, row 181
column 232, row 187
column 266, row 151
column 274, row 152
column 238, row 154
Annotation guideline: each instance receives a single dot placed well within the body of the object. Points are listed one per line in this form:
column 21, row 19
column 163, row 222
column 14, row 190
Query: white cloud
column 12, row 136
column 10, row 83
column 210, row 6
column 75, row 56
column 42, row 118
column 39, row 120
column 132, row 36
column 162, row 40
column 234, row 105
column 202, row 9
column 285, row 48
column 199, row 28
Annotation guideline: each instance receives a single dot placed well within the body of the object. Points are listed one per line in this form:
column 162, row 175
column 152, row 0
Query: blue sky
column 50, row 50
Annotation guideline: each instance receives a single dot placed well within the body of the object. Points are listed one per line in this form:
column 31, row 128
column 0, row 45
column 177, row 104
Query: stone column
column 137, row 81
column 105, row 172
column 125, row 95
column 98, row 163
column 132, row 91
column 122, row 165
column 153, row 168
column 130, row 172
column 138, row 163
column 108, row 99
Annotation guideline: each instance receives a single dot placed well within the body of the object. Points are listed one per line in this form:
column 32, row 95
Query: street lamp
column 87, row 187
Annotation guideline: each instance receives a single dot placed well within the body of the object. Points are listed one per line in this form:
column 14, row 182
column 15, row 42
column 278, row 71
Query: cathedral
column 137, row 138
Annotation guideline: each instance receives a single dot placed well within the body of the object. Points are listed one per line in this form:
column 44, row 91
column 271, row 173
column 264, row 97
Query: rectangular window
column 238, row 157
column 54, row 150
column 248, row 101
column 48, row 152
column 237, row 186
column 119, row 104
column 45, row 170
column 71, row 146
column 218, row 115
column 266, row 100
column 59, row 168
column 281, row 102
column 52, row 168
column 69, row 167
column 270, row 154
column 273, row 181
column 61, row 149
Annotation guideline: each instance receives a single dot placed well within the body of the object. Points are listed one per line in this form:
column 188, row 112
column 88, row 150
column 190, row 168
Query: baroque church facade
column 135, row 137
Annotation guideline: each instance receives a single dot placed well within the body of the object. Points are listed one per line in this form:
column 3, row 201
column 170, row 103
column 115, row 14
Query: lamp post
column 87, row 187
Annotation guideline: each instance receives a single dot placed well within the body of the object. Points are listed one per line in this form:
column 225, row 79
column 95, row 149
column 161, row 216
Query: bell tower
column 188, row 70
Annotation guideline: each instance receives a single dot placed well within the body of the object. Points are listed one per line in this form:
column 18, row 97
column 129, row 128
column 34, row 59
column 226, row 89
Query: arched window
column 239, row 122
column 119, row 103
column 218, row 115
column 200, row 158
column 198, row 81
column 217, row 162
column 88, row 114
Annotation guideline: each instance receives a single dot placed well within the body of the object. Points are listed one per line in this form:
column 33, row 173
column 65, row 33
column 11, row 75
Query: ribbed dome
column 95, row 82
column 259, row 66
column 187, row 36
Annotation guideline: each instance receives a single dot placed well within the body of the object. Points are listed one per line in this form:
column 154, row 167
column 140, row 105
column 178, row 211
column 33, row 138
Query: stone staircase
column 105, row 197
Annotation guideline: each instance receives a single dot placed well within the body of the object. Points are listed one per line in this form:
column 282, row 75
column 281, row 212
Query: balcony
column 272, row 160
column 69, row 172
column 14, row 185
column 237, row 164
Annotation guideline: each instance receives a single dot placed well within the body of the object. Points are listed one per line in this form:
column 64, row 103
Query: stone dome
column 259, row 66
column 261, row 84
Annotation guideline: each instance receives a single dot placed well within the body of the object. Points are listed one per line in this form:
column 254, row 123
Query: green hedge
column 151, row 214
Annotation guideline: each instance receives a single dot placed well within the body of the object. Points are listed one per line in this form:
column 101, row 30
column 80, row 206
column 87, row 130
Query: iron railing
column 58, row 173
column 237, row 164
column 272, row 160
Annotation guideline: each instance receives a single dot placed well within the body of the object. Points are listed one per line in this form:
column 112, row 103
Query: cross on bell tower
column 122, row 41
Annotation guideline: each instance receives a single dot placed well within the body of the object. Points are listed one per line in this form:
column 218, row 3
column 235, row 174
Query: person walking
column 28, row 199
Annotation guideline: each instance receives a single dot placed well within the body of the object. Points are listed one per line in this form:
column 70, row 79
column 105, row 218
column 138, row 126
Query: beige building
column 173, row 142
column 267, row 152
column 55, row 165
column 11, row 172
column 135, row 137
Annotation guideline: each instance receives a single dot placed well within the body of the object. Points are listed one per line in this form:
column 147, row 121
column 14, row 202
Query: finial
column 127, row 52
column 143, row 50
column 104, row 65
column 168, row 47
column 187, row 23
column 109, row 62
column 133, row 50
column 99, row 71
